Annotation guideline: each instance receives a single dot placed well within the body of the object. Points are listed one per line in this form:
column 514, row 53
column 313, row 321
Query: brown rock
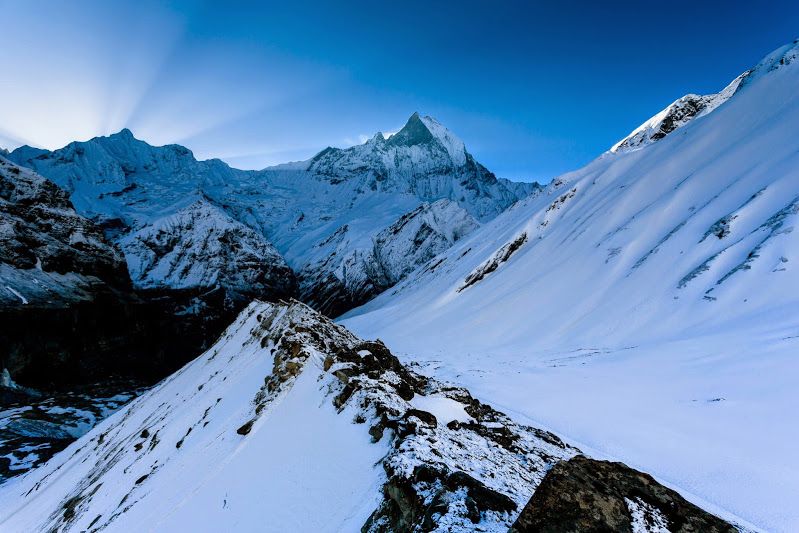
column 585, row 495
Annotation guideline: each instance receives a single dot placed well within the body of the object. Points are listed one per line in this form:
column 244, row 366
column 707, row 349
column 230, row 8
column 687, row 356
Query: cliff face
column 68, row 312
column 50, row 254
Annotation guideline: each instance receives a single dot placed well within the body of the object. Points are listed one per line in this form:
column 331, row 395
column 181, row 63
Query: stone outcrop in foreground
column 586, row 495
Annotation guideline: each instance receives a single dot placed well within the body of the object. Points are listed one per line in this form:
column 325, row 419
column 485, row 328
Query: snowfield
column 644, row 306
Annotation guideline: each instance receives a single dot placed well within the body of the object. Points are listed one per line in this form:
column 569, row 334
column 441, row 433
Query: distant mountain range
column 203, row 239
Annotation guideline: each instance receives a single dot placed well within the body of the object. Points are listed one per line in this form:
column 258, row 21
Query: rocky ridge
column 51, row 255
column 447, row 462
column 693, row 106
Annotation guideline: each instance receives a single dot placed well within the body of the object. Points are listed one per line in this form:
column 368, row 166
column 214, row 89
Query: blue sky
column 535, row 89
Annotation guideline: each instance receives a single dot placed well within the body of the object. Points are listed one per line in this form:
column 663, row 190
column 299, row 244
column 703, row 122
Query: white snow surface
column 302, row 467
column 255, row 435
column 650, row 313
column 444, row 409
column 645, row 518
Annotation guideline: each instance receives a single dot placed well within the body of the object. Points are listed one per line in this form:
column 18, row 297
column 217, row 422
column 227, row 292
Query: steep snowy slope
column 356, row 265
column 290, row 423
column 129, row 186
column 197, row 246
column 644, row 305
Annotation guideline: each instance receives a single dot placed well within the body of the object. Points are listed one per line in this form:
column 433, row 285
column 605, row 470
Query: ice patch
column 18, row 295
column 444, row 409
column 646, row 519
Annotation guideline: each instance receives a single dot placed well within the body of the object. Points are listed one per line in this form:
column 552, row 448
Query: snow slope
column 359, row 264
column 289, row 423
column 644, row 306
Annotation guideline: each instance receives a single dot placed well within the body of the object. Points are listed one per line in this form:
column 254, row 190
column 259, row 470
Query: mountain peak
column 377, row 138
column 427, row 130
column 124, row 133
column 412, row 133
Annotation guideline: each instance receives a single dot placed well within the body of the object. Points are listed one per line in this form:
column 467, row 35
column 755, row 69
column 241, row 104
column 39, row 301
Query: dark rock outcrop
column 586, row 495
column 68, row 311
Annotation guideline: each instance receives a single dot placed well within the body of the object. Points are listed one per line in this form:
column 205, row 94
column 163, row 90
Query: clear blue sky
column 534, row 88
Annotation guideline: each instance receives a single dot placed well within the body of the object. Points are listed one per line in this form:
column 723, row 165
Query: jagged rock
column 484, row 498
column 50, row 254
column 586, row 495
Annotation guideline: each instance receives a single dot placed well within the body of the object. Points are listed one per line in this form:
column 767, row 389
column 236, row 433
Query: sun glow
column 83, row 69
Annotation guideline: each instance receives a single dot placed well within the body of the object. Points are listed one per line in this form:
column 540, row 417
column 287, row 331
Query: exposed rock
column 66, row 301
column 585, row 495
column 50, row 254
column 499, row 257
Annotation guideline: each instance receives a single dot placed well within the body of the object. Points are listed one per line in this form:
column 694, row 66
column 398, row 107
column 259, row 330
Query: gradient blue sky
column 535, row 89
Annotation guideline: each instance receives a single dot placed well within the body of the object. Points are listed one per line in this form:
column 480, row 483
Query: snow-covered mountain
column 200, row 247
column 424, row 159
column 291, row 423
column 133, row 190
column 354, row 267
column 643, row 304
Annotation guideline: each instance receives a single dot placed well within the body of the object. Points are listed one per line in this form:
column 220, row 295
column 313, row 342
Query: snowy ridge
column 692, row 106
column 454, row 146
column 678, row 114
column 652, row 281
column 201, row 246
column 291, row 417
column 357, row 269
